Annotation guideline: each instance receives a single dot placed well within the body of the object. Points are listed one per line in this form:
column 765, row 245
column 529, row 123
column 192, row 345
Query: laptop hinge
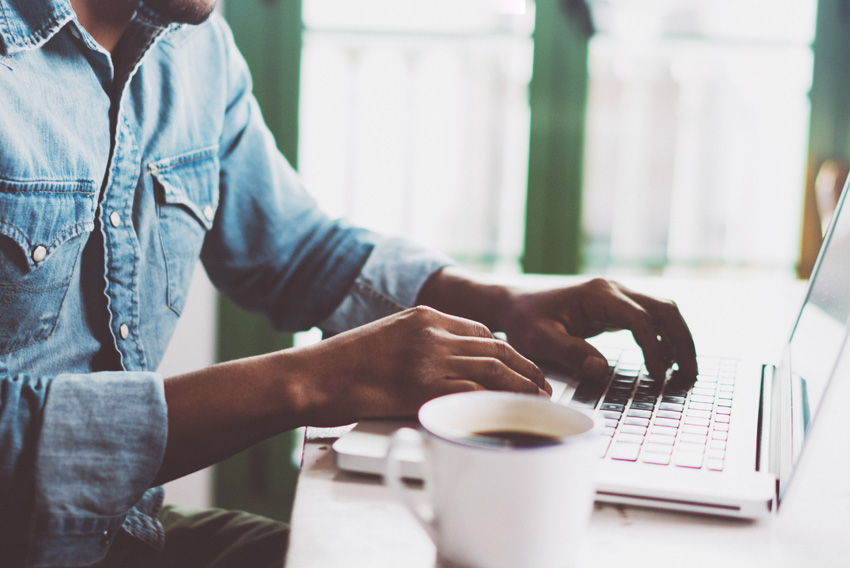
column 764, row 441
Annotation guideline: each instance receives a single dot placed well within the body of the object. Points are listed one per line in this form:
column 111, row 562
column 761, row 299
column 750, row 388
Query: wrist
column 454, row 291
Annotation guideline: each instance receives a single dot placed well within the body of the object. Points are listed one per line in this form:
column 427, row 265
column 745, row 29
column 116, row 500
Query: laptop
column 726, row 443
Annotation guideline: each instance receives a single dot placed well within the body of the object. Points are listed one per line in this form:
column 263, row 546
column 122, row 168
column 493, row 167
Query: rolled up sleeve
column 389, row 282
column 79, row 452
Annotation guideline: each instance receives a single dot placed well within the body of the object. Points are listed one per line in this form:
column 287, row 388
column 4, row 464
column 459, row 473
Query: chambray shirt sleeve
column 78, row 452
column 273, row 251
column 389, row 282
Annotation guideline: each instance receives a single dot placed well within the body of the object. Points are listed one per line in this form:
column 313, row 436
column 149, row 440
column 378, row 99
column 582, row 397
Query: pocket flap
column 41, row 215
column 191, row 181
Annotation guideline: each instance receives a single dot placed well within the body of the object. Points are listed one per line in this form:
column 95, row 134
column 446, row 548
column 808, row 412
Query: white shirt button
column 209, row 213
column 124, row 331
column 115, row 219
column 39, row 253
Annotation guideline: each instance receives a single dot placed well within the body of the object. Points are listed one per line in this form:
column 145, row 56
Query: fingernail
column 594, row 366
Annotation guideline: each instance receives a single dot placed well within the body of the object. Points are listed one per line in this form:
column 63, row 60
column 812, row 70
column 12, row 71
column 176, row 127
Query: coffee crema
column 511, row 439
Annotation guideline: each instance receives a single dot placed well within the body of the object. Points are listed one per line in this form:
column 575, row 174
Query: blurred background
column 672, row 137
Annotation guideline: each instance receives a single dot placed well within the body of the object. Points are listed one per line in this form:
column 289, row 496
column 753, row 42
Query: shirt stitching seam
column 76, row 229
column 36, row 36
column 368, row 289
column 198, row 155
column 6, row 27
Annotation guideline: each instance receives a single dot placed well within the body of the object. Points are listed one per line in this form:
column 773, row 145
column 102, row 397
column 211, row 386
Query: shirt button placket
column 121, row 255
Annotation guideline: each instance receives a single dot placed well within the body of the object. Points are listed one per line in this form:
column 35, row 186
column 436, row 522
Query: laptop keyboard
column 672, row 421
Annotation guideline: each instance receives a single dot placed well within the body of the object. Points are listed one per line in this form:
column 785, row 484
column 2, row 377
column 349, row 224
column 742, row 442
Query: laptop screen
column 818, row 335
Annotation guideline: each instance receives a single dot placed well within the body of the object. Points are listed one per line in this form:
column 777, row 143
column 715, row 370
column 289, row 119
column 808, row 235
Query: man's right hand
column 392, row 366
column 387, row 368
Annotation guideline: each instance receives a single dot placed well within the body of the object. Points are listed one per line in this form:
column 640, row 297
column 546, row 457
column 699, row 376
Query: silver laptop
column 726, row 443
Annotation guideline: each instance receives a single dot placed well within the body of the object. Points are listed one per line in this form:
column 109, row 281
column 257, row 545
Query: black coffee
column 511, row 439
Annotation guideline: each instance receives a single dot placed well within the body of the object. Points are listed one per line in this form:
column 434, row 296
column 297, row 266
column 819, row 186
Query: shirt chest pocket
column 187, row 192
column 42, row 229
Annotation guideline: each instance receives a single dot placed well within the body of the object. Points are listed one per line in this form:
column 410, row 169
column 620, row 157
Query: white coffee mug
column 496, row 500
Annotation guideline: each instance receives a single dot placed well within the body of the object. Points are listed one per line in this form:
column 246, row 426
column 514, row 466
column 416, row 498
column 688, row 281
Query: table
column 341, row 519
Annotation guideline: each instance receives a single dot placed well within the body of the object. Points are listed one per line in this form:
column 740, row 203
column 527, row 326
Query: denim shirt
column 117, row 174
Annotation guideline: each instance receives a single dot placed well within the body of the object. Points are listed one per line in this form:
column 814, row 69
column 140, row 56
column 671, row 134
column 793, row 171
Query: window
column 414, row 120
column 697, row 131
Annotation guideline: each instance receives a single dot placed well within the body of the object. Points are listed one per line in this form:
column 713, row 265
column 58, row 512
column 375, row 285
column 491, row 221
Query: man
column 130, row 146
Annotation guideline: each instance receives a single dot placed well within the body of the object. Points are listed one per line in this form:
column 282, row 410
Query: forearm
column 221, row 410
column 387, row 368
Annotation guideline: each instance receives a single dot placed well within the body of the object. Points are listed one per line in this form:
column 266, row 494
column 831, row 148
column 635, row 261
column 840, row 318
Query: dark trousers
column 211, row 538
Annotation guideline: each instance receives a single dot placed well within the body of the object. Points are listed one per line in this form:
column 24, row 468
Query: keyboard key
column 630, row 363
column 647, row 380
column 696, row 421
column 628, row 429
column 658, row 459
column 672, row 406
column 698, row 413
column 723, row 410
column 661, row 439
column 718, row 435
column 702, row 391
column 701, row 398
column 636, row 421
column 624, row 452
column 611, row 414
column 671, row 422
column 611, row 406
column 628, row 371
column 611, row 423
column 688, row 459
column 609, row 431
column 625, row 378
column 724, row 402
column 716, row 454
column 588, row 393
column 658, row 448
column 693, row 439
column 717, row 444
column 669, row 414
column 722, row 427
column 691, row 429
column 700, row 406
column 721, row 418
column 651, row 398
column 714, row 465
column 673, row 399
column 637, row 413
column 689, row 447
column 664, row 430
column 629, row 438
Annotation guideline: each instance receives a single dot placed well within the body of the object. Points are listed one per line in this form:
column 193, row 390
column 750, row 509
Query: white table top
column 342, row 519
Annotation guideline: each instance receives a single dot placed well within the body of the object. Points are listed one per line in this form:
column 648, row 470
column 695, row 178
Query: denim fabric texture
column 118, row 172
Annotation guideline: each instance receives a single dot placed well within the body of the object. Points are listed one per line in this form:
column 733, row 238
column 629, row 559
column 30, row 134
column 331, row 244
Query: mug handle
column 408, row 438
